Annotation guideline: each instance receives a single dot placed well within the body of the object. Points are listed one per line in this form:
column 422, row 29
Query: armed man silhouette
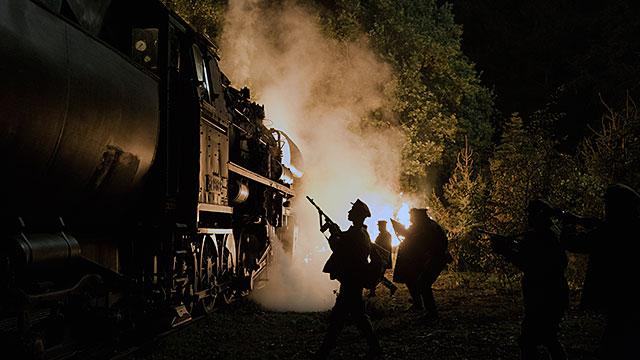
column 421, row 258
column 613, row 271
column 348, row 264
column 538, row 254
column 381, row 258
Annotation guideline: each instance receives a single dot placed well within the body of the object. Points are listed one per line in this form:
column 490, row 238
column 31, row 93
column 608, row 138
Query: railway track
column 97, row 351
column 140, row 348
column 93, row 349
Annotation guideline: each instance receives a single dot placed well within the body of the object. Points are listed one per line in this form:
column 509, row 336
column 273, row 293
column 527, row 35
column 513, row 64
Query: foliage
column 527, row 164
column 520, row 169
column 205, row 16
column 462, row 213
column 518, row 172
column 440, row 100
column 612, row 154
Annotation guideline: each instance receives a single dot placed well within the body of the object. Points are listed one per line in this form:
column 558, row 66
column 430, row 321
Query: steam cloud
column 317, row 90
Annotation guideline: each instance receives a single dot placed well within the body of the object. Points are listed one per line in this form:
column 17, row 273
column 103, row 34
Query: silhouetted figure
column 541, row 258
column 381, row 258
column 348, row 264
column 422, row 256
column 612, row 274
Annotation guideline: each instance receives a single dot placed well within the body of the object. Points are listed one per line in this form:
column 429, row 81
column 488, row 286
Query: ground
column 477, row 322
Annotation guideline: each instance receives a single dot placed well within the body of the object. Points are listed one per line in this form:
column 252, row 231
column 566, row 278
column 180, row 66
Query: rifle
column 503, row 244
column 570, row 218
column 493, row 234
column 398, row 228
column 328, row 222
column 489, row 233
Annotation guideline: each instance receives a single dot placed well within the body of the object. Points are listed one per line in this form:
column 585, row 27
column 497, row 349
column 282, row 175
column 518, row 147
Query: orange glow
column 307, row 89
column 386, row 212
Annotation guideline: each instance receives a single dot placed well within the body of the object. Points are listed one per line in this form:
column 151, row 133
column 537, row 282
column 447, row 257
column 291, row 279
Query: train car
column 136, row 178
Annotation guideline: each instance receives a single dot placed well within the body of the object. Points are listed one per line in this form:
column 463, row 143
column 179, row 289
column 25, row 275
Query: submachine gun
column 328, row 223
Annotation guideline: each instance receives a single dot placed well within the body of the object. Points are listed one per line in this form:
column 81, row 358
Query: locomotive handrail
column 259, row 178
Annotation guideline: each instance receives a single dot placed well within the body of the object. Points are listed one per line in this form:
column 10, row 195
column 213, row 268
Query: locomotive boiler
column 135, row 178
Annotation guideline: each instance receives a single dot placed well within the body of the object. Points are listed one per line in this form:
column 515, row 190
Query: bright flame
column 386, row 212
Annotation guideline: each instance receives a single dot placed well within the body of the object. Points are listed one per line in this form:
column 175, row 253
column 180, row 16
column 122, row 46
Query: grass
column 480, row 320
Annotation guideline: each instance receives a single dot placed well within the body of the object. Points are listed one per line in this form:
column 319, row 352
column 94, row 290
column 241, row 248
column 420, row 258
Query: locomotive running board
column 259, row 178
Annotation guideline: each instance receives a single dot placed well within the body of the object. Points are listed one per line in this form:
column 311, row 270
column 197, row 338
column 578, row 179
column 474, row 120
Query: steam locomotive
column 136, row 180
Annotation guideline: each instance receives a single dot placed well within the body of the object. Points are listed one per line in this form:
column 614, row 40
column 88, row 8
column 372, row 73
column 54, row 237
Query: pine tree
column 465, row 198
column 520, row 170
column 612, row 154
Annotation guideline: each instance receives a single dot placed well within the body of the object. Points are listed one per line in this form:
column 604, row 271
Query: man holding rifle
column 381, row 259
column 421, row 258
column 348, row 264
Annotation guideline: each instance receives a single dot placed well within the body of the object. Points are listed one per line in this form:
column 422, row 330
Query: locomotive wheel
column 228, row 292
column 189, row 299
column 247, row 260
column 208, row 276
column 207, row 304
column 185, row 270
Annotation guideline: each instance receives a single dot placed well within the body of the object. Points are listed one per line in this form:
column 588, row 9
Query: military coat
column 350, row 252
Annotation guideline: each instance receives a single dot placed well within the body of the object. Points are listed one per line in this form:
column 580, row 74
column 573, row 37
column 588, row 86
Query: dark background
column 569, row 56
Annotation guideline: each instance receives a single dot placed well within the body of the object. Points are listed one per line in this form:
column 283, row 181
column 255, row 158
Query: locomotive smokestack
column 317, row 90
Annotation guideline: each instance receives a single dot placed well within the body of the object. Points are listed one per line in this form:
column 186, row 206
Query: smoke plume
column 317, row 90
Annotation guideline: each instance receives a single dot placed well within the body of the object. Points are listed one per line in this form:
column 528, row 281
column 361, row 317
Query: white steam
column 317, row 90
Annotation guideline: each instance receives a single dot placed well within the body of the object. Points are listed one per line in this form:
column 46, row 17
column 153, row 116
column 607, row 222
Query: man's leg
column 372, row 291
column 425, row 281
column 556, row 350
column 551, row 328
column 336, row 323
column 414, row 291
column 527, row 342
column 429, row 301
column 389, row 285
column 356, row 309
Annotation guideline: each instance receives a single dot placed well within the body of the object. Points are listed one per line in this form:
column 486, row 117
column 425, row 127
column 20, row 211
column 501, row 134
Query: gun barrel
column 483, row 231
column 320, row 210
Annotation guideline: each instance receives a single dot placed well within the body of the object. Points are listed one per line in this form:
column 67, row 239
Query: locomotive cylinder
column 44, row 250
column 239, row 192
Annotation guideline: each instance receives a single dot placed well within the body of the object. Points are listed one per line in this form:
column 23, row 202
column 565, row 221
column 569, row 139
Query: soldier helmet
column 539, row 212
column 360, row 208
column 420, row 213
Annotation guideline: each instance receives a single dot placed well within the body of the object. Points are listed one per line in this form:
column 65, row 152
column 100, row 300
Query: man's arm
column 509, row 248
column 577, row 240
column 335, row 239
